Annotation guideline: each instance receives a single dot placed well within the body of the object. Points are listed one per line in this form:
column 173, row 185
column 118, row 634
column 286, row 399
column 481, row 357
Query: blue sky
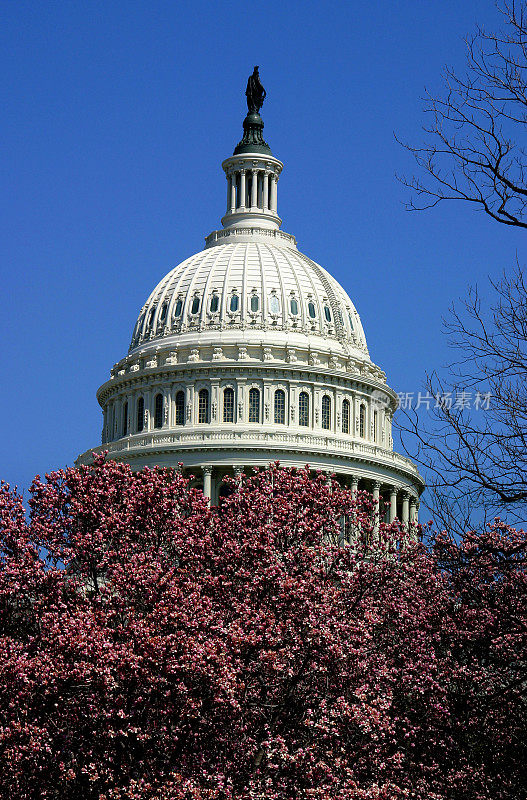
column 116, row 117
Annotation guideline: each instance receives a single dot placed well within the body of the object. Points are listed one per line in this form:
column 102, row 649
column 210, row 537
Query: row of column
column 263, row 190
column 409, row 507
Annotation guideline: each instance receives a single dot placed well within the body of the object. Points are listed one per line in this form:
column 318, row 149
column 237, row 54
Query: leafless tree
column 474, row 148
column 471, row 435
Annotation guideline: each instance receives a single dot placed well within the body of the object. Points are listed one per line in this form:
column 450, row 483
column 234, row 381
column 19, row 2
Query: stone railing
column 186, row 439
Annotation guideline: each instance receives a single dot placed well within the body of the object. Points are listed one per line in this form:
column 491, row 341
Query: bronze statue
column 255, row 93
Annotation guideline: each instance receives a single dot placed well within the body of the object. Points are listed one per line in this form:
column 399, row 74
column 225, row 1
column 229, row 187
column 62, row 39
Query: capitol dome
column 248, row 353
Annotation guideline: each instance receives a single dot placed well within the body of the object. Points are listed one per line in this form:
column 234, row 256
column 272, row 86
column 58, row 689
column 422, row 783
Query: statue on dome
column 255, row 93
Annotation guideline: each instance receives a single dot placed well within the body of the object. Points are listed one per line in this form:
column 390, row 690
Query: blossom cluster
column 287, row 644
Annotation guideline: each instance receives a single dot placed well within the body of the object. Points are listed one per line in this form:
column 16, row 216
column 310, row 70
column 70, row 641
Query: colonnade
column 251, row 189
column 399, row 503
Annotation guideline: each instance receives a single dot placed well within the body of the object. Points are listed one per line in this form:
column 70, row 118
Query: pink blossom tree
column 151, row 647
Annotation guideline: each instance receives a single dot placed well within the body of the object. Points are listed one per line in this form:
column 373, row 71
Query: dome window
column 228, row 404
column 279, row 407
column 151, row 317
column 180, row 408
column 346, row 416
column 375, row 425
column 326, row 412
column 203, row 405
column 195, row 306
column 254, row 405
column 362, row 421
column 163, row 312
column 214, row 303
column 311, row 309
column 179, row 307
column 255, row 303
column 158, row 411
column 274, row 304
column 125, row 419
column 327, row 313
column 235, row 301
column 293, row 305
column 351, row 322
column 303, row 409
column 140, row 414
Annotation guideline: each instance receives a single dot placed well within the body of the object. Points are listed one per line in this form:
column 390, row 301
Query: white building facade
column 249, row 353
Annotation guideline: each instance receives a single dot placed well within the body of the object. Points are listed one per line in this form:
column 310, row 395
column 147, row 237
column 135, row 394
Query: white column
column 393, row 504
column 233, row 192
column 406, row 509
column 254, row 188
column 354, row 485
column 376, row 487
column 207, row 482
column 229, row 186
column 265, row 201
column 273, row 193
column 241, row 204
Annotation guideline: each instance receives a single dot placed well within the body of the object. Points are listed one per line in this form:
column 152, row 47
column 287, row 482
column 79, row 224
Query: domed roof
column 250, row 280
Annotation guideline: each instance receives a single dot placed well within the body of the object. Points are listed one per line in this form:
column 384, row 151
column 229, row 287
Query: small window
column 195, row 306
column 255, row 303
column 326, row 412
column 362, row 421
column 351, row 322
column 375, row 419
column 158, row 411
column 203, row 405
column 228, row 405
column 327, row 313
column 311, row 310
column 180, row 408
column 346, row 416
column 163, row 312
column 234, row 303
column 214, row 303
column 303, row 409
column 151, row 318
column 279, row 407
column 274, row 304
column 125, row 419
column 293, row 306
column 254, row 405
column 179, row 306
column 140, row 414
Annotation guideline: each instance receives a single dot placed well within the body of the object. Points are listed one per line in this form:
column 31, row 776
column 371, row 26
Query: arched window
column 351, row 321
column 254, row 405
column 234, row 303
column 214, row 303
column 345, row 416
column 375, row 420
column 125, row 419
column 274, row 304
column 179, row 306
column 180, row 408
column 228, row 404
column 195, row 306
column 158, row 411
column 163, row 312
column 303, row 409
column 327, row 313
column 151, row 318
column 255, row 303
column 326, row 412
column 293, row 306
column 203, row 405
column 311, row 310
column 140, row 414
column 279, row 407
column 362, row 421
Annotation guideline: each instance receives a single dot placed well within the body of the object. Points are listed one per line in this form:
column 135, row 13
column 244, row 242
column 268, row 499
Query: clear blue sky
column 115, row 119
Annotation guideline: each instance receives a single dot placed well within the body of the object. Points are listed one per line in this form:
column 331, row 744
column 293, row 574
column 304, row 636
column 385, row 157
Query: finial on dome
column 253, row 141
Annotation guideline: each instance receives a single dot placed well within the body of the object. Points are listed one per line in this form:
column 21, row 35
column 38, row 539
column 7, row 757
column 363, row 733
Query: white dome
column 248, row 282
